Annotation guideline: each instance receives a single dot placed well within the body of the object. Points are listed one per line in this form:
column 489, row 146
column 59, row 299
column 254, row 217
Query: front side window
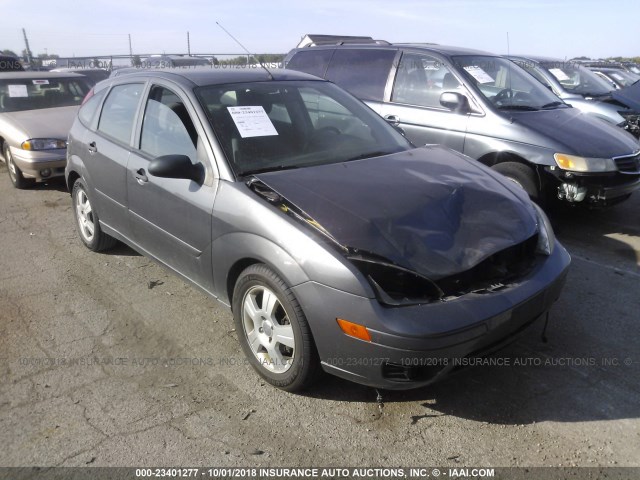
column 363, row 72
column 119, row 111
column 167, row 128
column 421, row 80
column 279, row 125
column 39, row 93
column 505, row 84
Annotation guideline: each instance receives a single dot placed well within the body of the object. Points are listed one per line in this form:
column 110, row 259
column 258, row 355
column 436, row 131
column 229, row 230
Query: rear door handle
column 141, row 176
column 92, row 148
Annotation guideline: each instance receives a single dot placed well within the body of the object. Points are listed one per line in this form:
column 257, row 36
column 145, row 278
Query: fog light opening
column 45, row 172
column 571, row 192
column 354, row 330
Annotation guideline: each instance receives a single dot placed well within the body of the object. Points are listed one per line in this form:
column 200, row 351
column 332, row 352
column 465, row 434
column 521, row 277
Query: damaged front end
column 397, row 286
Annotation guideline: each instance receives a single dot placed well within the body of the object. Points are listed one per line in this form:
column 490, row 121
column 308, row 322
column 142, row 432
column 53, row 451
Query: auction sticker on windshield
column 252, row 121
column 559, row 74
column 18, row 91
column 479, row 74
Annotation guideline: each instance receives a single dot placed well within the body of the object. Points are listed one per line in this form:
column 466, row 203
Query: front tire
column 87, row 223
column 273, row 330
column 15, row 174
column 521, row 175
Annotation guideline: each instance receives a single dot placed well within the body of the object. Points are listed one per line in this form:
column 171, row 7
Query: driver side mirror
column 454, row 101
column 176, row 166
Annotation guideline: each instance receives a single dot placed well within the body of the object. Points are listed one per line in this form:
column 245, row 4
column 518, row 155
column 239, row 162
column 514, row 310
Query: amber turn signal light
column 354, row 330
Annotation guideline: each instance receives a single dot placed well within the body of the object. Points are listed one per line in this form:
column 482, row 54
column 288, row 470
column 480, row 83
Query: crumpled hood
column 430, row 210
column 630, row 96
column 579, row 133
column 45, row 122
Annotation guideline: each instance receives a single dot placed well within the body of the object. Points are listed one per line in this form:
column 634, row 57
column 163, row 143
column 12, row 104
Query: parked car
column 619, row 77
column 10, row 64
column 487, row 107
column 173, row 61
column 336, row 243
column 584, row 90
column 36, row 113
column 93, row 75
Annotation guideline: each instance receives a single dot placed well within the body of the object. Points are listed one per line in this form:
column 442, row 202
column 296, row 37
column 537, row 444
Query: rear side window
column 119, row 111
column 313, row 62
column 362, row 72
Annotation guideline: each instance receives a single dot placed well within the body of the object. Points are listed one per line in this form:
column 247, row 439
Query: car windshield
column 623, row 78
column 279, row 125
column 37, row 93
column 505, row 84
column 575, row 78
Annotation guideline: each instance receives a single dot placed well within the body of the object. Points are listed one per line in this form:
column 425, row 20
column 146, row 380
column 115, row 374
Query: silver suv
column 488, row 108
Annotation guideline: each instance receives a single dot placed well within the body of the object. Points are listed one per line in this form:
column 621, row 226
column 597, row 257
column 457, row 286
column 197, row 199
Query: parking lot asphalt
column 109, row 360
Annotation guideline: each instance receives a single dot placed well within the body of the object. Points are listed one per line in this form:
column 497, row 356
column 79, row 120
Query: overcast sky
column 559, row 28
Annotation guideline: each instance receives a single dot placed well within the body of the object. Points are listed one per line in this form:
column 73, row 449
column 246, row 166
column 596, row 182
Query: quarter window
column 119, row 111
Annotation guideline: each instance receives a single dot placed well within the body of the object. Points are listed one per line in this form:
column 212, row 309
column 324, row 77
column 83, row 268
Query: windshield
column 575, row 78
column 33, row 94
column 505, row 84
column 279, row 125
column 622, row 78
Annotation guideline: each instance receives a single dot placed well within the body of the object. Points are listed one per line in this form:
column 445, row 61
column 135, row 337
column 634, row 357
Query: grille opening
column 497, row 271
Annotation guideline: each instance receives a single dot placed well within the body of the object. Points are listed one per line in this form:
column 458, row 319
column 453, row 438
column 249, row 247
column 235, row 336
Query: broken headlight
column 546, row 237
column 395, row 285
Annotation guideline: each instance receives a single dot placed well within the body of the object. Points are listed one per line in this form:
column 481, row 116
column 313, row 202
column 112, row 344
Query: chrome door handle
column 141, row 176
column 392, row 119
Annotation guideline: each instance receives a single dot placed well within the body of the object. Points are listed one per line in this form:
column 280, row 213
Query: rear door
column 420, row 80
column 171, row 217
column 108, row 149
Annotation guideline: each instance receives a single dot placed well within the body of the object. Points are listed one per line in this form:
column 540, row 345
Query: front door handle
column 92, row 148
column 141, row 176
column 392, row 119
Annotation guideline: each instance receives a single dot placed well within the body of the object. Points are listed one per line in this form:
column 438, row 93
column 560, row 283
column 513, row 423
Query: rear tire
column 273, row 330
column 15, row 174
column 87, row 222
column 521, row 175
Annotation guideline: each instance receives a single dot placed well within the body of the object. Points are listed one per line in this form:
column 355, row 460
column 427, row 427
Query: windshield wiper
column 368, row 155
column 527, row 108
column 551, row 105
column 269, row 169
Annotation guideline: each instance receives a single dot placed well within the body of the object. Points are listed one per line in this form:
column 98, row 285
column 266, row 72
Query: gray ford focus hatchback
column 337, row 244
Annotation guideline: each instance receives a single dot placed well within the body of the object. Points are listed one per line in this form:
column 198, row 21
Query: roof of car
column 444, row 49
column 218, row 75
column 36, row 75
column 540, row 59
column 432, row 47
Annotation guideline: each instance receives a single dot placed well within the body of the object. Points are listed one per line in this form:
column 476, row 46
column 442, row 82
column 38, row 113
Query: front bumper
column 597, row 189
column 417, row 345
column 33, row 164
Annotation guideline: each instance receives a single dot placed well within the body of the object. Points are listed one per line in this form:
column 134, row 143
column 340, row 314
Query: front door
column 171, row 218
column 415, row 102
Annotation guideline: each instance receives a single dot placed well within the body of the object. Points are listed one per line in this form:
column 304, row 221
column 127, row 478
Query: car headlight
column 396, row 286
column 43, row 144
column 584, row 164
column 546, row 237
